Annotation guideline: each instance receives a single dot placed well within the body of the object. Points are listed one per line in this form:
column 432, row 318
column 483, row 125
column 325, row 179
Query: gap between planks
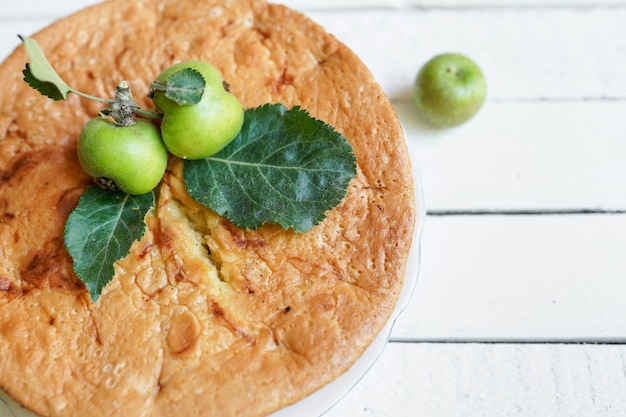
column 524, row 212
column 512, row 341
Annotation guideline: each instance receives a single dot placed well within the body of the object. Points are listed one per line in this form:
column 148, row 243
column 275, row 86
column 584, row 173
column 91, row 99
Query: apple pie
column 202, row 318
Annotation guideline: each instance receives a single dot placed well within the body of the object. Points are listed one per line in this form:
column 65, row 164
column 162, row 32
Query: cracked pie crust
column 202, row 318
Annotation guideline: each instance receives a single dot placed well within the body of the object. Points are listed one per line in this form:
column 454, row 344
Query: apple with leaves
column 310, row 168
column 196, row 130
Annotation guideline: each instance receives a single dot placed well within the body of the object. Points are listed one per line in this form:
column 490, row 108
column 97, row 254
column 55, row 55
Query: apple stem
column 148, row 114
column 122, row 109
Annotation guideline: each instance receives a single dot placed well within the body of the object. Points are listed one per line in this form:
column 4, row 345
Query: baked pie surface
column 202, row 318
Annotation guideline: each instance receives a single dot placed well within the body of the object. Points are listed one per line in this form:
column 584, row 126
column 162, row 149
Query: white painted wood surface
column 491, row 380
column 519, row 309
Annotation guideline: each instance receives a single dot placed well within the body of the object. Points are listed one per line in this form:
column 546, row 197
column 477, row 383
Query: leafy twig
column 41, row 76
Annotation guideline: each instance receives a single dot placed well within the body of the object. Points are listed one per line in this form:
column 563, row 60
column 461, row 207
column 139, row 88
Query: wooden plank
column 46, row 7
column 523, row 156
column 582, row 59
column 491, row 380
column 41, row 8
column 435, row 4
column 525, row 53
column 512, row 278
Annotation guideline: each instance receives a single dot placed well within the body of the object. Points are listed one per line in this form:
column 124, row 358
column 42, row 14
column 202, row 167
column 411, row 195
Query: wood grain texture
column 46, row 7
column 526, row 54
column 519, row 278
column 491, row 380
column 524, row 156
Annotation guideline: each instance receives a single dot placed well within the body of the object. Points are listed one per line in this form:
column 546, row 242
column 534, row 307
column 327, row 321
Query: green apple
column 449, row 90
column 130, row 158
column 196, row 131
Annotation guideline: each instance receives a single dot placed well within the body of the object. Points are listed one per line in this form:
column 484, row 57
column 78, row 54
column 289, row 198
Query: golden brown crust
column 202, row 318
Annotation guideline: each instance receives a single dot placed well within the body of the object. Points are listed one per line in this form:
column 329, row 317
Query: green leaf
column 284, row 167
column 101, row 230
column 184, row 87
column 40, row 75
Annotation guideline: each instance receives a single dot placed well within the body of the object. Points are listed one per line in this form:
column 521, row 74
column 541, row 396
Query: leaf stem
column 147, row 113
column 90, row 97
column 157, row 86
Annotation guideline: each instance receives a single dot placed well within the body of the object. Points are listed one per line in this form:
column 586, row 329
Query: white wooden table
column 520, row 308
